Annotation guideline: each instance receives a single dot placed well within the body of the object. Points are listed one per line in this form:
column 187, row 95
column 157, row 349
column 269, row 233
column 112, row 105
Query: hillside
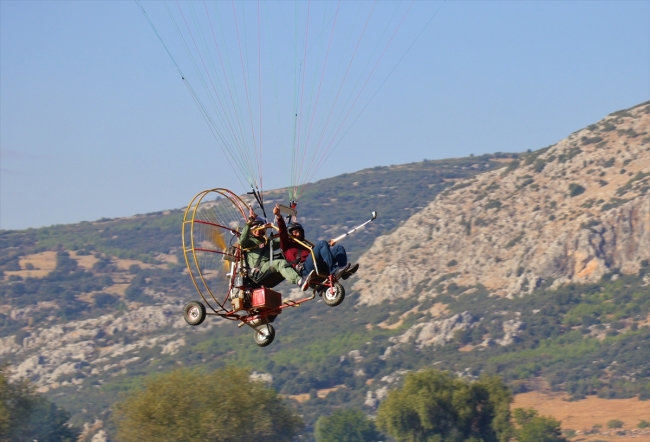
column 572, row 212
column 533, row 266
column 83, row 307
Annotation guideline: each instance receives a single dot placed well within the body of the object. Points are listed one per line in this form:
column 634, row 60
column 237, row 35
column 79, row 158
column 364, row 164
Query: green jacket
column 254, row 247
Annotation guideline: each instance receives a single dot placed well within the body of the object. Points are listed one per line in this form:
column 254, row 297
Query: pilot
column 331, row 258
column 254, row 242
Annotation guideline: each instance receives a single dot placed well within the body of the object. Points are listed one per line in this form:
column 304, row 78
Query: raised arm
column 245, row 237
column 282, row 228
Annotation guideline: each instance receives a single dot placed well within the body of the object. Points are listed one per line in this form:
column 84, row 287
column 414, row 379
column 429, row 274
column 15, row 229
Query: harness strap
column 263, row 250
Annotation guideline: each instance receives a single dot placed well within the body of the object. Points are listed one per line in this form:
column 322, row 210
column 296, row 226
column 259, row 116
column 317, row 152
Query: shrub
column 105, row 300
column 493, row 204
column 463, row 336
column 569, row 154
column 512, row 166
column 615, row 423
column 576, row 189
column 514, row 240
column 480, row 222
column 613, row 203
column 539, row 165
column 592, row 140
column 525, row 183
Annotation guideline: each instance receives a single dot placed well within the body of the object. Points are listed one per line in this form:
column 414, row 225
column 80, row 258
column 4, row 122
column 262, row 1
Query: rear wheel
column 194, row 313
column 265, row 335
column 334, row 295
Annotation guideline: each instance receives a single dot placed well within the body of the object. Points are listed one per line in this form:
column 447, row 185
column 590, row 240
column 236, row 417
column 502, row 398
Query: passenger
column 331, row 258
column 257, row 247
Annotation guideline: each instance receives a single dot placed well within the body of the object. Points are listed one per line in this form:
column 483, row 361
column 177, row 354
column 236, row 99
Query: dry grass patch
column 321, row 394
column 116, row 289
column 395, row 325
column 169, row 258
column 86, row 262
column 125, row 264
column 43, row 263
column 438, row 309
column 584, row 414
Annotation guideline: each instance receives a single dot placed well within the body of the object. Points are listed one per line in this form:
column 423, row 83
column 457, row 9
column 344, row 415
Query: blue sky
column 95, row 121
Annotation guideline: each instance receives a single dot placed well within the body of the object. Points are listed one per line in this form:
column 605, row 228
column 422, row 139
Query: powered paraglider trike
column 212, row 224
column 264, row 85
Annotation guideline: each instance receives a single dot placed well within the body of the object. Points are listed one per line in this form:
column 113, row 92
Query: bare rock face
column 511, row 328
column 569, row 213
column 374, row 397
column 437, row 332
column 262, row 377
column 93, row 347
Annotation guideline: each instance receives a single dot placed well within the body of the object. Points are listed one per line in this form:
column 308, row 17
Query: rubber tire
column 334, row 299
column 264, row 340
column 194, row 313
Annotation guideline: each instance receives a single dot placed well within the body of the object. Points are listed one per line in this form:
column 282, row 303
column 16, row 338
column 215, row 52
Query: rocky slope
column 67, row 354
column 572, row 212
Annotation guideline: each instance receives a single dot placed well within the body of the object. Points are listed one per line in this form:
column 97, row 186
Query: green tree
column 49, row 423
column 346, row 425
column 434, row 406
column 191, row 405
column 26, row 415
column 15, row 407
column 534, row 428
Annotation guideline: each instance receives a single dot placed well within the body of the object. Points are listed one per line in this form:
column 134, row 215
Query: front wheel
column 194, row 313
column 265, row 335
column 334, row 295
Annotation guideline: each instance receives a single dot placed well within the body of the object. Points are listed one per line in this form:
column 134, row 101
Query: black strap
column 260, row 199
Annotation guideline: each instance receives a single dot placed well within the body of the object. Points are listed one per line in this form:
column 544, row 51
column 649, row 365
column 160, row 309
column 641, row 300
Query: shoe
column 304, row 282
column 342, row 271
column 351, row 271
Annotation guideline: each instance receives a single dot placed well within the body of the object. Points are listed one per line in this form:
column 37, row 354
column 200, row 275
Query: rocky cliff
column 571, row 212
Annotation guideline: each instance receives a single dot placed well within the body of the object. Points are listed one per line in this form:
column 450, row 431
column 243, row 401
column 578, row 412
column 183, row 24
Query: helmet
column 259, row 221
column 296, row 226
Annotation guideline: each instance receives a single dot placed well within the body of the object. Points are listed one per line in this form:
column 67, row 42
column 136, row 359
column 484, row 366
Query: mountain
column 533, row 266
column 571, row 212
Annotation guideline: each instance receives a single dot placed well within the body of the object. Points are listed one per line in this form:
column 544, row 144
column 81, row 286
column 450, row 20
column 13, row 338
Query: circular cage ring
column 211, row 227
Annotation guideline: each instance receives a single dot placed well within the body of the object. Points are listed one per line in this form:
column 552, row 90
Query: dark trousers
column 328, row 259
